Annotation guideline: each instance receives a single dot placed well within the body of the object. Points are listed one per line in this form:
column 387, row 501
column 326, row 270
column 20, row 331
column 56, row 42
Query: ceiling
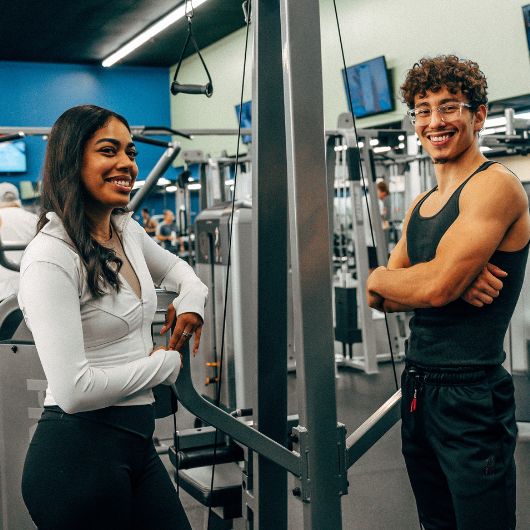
column 87, row 31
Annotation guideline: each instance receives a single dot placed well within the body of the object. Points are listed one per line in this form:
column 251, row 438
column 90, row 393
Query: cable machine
column 290, row 192
column 319, row 468
column 344, row 156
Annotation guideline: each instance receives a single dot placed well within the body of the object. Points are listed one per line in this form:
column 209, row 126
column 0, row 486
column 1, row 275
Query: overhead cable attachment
column 176, row 87
column 246, row 11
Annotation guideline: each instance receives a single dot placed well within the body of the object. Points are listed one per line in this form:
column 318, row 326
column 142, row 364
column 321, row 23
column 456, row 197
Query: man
column 148, row 222
column 458, row 421
column 16, row 226
column 166, row 231
column 383, row 196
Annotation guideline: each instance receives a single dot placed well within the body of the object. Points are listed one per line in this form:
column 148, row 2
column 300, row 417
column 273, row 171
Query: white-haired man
column 17, row 225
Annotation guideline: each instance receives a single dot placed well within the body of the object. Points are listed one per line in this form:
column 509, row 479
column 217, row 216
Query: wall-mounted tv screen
column 526, row 16
column 370, row 88
column 13, row 157
column 246, row 120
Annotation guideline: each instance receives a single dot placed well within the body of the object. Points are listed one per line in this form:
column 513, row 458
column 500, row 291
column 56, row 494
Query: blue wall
column 36, row 94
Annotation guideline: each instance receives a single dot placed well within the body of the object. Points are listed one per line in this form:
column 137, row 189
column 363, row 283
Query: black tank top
column 460, row 334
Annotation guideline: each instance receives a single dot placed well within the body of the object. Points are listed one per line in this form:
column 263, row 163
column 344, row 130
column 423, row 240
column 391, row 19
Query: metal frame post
column 270, row 266
column 375, row 216
column 310, row 256
column 158, row 171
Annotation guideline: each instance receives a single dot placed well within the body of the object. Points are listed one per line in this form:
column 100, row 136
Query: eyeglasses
column 448, row 112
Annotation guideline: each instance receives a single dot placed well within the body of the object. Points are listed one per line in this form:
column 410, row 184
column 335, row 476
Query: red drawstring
column 414, row 400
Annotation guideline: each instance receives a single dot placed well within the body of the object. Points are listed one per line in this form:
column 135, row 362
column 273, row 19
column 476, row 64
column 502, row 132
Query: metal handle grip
column 206, row 89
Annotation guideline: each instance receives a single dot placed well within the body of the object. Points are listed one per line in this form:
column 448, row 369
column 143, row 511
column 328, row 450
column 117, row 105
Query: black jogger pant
column 458, row 439
column 84, row 475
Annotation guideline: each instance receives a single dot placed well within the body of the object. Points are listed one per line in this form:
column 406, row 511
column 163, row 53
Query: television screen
column 526, row 15
column 13, row 157
column 246, row 120
column 369, row 87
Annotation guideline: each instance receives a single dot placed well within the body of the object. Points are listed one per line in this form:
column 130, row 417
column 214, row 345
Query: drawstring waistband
column 451, row 376
column 446, row 377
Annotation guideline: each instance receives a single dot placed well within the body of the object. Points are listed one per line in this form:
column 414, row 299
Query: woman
column 87, row 294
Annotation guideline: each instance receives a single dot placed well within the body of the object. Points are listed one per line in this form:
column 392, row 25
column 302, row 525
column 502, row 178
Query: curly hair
column 445, row 71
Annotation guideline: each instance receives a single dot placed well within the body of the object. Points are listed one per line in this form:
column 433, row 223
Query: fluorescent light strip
column 382, row 149
column 149, row 33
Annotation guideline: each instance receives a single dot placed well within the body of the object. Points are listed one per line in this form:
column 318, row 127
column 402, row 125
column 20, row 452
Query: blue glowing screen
column 369, row 87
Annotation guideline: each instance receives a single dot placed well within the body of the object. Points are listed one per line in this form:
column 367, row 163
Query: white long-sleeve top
column 95, row 352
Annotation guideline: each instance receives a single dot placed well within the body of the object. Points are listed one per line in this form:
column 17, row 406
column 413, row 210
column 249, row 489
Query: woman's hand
column 186, row 325
column 486, row 286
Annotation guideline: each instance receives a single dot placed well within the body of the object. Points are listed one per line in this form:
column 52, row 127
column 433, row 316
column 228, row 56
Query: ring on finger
column 186, row 334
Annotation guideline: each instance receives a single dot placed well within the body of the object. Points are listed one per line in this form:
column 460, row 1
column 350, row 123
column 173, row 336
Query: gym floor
column 380, row 497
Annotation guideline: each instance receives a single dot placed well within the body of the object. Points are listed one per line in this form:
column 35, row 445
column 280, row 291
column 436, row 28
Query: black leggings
column 458, row 442
column 91, row 476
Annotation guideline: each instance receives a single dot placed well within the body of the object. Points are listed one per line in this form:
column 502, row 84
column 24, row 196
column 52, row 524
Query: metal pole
column 310, row 255
column 375, row 214
column 150, row 182
column 270, row 266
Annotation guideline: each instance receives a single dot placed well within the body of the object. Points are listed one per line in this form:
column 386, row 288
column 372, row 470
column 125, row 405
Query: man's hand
column 186, row 325
column 486, row 286
column 375, row 301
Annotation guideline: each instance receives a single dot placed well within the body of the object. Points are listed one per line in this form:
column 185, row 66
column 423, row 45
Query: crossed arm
column 460, row 266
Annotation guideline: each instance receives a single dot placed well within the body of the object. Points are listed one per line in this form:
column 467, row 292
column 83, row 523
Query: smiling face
column 444, row 139
column 109, row 167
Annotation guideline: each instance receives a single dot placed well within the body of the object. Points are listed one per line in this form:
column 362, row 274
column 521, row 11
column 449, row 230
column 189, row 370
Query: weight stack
column 346, row 330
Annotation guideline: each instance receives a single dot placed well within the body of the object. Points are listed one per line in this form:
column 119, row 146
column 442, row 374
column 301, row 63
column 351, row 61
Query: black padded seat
column 10, row 324
column 227, row 489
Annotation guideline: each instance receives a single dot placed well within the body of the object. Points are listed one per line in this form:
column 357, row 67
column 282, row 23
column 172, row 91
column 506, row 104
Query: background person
column 148, row 222
column 17, row 225
column 166, row 232
column 458, row 412
column 87, row 294
column 382, row 194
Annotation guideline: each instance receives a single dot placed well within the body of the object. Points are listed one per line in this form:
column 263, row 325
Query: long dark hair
column 63, row 193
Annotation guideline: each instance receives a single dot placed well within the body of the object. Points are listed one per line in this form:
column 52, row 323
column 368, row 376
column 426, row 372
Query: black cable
column 364, row 185
column 230, row 224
